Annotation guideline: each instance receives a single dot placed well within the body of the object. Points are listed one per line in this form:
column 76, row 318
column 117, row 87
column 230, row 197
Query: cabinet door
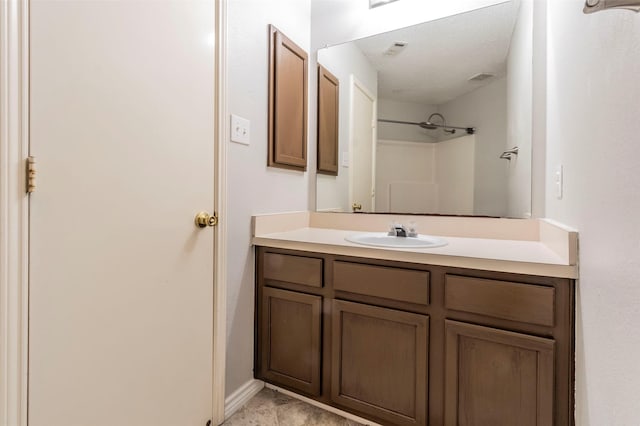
column 287, row 103
column 328, row 120
column 496, row 377
column 379, row 362
column 290, row 327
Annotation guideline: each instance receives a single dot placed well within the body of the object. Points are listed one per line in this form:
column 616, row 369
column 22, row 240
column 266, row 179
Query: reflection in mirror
column 407, row 98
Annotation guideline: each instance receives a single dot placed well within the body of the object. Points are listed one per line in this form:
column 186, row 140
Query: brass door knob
column 356, row 206
column 204, row 219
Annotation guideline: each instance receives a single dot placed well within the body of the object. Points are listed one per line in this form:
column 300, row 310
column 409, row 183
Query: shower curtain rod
column 428, row 125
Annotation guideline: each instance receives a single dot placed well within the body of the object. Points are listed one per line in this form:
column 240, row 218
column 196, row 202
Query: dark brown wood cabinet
column 291, row 327
column 379, row 362
column 496, row 377
column 328, row 120
column 413, row 344
column 287, row 103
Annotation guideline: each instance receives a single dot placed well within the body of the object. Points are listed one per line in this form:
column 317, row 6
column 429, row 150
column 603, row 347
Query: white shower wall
column 455, row 175
column 419, row 177
column 485, row 109
column 403, row 166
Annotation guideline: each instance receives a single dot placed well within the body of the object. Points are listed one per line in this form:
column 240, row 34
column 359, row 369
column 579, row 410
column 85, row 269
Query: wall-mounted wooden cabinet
column 328, row 119
column 412, row 344
column 287, row 103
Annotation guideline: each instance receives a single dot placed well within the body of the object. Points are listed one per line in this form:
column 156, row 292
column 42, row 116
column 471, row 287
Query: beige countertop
column 544, row 249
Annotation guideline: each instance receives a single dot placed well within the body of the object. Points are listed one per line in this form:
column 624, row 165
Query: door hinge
column 31, row 174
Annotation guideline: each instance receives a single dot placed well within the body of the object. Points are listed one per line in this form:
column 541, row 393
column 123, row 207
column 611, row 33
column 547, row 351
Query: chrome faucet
column 399, row 230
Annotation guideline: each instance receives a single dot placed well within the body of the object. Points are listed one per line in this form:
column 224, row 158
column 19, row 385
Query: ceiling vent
column 482, row 76
column 396, row 48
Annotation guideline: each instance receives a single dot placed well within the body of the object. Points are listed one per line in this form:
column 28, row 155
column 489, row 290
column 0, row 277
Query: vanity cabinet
column 289, row 339
column 497, row 377
column 291, row 327
column 508, row 350
column 415, row 344
column 379, row 362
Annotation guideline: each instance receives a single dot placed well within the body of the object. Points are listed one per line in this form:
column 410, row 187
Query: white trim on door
column 351, row 133
column 220, row 253
column 374, row 152
column 14, row 211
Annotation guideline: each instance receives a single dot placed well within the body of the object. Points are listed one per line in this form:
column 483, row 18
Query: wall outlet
column 557, row 180
column 240, row 130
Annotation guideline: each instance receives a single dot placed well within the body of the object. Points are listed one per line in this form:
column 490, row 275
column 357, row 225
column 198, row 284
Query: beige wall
column 592, row 129
column 252, row 187
column 343, row 61
column 593, row 101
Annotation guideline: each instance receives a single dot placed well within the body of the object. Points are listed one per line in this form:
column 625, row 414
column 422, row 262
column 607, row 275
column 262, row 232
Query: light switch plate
column 345, row 159
column 240, row 130
column 557, row 179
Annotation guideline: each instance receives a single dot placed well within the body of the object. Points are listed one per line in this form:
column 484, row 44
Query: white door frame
column 353, row 82
column 14, row 212
column 220, row 200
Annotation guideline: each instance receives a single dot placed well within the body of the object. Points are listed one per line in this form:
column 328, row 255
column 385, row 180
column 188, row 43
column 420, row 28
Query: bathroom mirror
column 407, row 98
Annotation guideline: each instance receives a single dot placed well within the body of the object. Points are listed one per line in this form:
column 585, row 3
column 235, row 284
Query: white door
column 121, row 280
column 363, row 137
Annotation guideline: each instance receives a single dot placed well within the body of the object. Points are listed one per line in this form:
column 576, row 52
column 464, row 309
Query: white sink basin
column 381, row 239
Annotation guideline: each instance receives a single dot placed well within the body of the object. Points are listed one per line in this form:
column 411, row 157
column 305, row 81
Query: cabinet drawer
column 293, row 269
column 512, row 301
column 405, row 285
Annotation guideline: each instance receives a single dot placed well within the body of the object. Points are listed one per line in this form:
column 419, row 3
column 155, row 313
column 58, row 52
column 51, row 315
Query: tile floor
column 272, row 408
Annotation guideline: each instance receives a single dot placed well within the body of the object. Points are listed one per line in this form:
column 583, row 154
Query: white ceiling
column 442, row 55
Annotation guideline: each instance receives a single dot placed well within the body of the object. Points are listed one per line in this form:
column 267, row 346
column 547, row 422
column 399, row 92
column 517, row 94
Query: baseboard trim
column 241, row 396
column 325, row 407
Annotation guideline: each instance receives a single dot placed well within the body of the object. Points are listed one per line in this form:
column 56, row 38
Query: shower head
column 430, row 125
